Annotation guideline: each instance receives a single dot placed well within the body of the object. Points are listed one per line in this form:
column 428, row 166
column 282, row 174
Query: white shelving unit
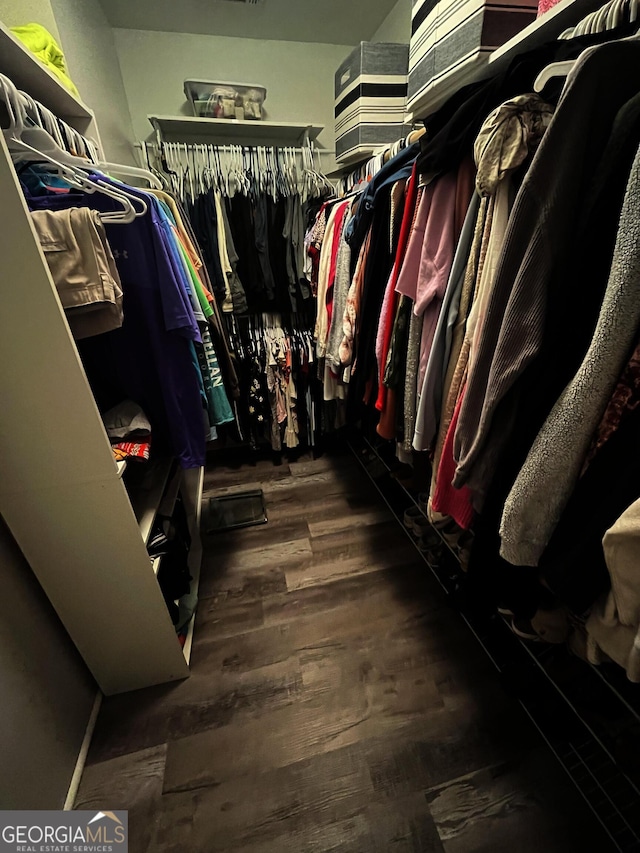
column 479, row 65
column 61, row 493
column 186, row 128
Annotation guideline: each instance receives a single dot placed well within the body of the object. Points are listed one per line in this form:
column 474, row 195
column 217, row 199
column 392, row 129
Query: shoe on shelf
column 410, row 515
column 423, row 502
column 553, row 626
column 422, row 527
column 504, row 610
column 524, row 629
column 429, row 539
column 432, row 553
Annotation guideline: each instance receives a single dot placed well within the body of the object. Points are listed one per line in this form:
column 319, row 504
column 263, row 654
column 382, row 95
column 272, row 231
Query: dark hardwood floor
column 336, row 702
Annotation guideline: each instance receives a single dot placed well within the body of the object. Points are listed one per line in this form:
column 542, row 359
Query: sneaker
column 410, row 515
column 524, row 629
column 429, row 543
column 422, row 527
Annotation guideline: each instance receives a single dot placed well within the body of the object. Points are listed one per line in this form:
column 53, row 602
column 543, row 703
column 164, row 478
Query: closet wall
column 396, row 27
column 82, row 30
column 88, row 43
column 298, row 75
column 47, row 692
column 14, row 13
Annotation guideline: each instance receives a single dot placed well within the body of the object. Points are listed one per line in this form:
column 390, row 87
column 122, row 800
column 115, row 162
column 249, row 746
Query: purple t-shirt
column 147, row 360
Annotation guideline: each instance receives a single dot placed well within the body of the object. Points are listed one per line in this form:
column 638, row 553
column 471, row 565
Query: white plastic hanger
column 554, row 69
column 19, row 140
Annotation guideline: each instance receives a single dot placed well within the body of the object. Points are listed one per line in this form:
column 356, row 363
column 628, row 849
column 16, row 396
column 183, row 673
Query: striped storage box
column 452, row 36
column 371, row 98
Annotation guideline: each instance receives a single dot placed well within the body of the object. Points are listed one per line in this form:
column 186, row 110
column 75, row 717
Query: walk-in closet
column 320, row 493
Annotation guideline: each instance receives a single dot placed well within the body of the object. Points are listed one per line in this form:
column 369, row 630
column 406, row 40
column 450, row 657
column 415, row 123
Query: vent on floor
column 240, row 509
column 246, row 2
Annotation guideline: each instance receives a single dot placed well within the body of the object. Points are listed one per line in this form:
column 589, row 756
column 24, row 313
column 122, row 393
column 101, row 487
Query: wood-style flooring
column 336, row 702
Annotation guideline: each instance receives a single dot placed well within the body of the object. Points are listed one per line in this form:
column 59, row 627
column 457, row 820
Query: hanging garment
column 225, row 264
column 241, row 219
column 398, row 168
column 221, row 412
column 506, row 140
column 446, row 500
column 409, row 234
column 352, row 306
column 238, row 296
column 613, row 627
column 573, row 564
column 219, row 334
column 342, row 282
column 624, row 399
column 326, row 274
column 575, row 297
column 430, row 404
column 411, row 384
column 540, row 230
column 148, row 359
column 391, row 423
column 204, row 219
column 83, row 269
column 548, row 476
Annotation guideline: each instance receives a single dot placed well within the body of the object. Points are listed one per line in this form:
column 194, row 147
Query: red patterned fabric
column 138, row 450
column 447, row 500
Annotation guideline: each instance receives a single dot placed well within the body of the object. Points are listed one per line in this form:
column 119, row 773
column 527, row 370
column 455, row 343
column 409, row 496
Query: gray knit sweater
column 548, row 477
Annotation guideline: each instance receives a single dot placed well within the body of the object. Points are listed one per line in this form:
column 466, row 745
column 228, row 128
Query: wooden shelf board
column 26, row 71
column 236, row 132
column 146, row 499
column 353, row 159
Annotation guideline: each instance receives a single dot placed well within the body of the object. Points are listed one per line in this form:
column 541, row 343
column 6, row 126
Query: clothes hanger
column 38, row 138
column 554, row 69
column 130, row 172
column 22, row 149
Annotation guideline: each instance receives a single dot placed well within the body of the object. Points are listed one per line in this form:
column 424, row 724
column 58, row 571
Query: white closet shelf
column 547, row 27
column 352, row 159
column 235, row 132
column 29, row 74
column 147, row 497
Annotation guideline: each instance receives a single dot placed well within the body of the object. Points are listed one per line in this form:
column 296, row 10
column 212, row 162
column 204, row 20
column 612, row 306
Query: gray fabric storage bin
column 371, row 93
column 449, row 38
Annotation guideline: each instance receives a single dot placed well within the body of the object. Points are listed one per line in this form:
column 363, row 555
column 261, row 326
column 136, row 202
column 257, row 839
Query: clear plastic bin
column 211, row 99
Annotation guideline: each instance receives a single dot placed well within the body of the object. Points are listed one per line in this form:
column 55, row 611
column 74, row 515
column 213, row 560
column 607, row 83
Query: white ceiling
column 329, row 21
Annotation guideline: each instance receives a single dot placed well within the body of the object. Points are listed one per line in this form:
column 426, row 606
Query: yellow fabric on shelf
column 40, row 42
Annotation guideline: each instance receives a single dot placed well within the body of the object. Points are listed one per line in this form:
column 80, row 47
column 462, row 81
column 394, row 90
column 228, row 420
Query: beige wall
column 47, row 693
column 298, row 76
column 396, row 28
column 88, row 44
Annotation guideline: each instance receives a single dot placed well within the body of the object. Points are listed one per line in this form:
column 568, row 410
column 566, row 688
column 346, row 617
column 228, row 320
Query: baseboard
column 82, row 755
